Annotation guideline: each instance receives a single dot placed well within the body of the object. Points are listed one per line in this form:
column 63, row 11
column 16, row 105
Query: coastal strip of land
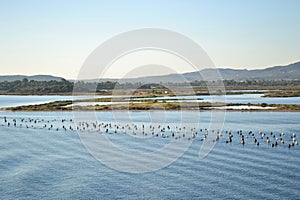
column 109, row 104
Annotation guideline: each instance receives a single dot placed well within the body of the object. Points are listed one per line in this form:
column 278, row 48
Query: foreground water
column 37, row 163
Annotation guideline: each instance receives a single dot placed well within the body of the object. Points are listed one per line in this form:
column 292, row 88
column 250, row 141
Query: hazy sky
column 56, row 36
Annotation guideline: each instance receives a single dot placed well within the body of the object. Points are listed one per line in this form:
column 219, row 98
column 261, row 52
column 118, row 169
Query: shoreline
column 125, row 103
column 266, row 92
column 215, row 110
column 206, row 109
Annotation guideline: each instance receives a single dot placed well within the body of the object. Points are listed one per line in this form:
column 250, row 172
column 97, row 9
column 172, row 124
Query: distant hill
column 289, row 72
column 10, row 78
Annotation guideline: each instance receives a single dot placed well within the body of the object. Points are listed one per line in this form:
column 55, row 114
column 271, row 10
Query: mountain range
column 288, row 72
column 10, row 78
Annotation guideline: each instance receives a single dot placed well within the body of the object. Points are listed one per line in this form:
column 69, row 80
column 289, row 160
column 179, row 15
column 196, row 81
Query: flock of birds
column 154, row 130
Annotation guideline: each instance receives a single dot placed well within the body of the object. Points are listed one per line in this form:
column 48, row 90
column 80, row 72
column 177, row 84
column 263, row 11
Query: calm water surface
column 239, row 98
column 42, row 164
column 17, row 100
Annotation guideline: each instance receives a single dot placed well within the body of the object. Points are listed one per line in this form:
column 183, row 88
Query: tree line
column 63, row 86
column 36, row 87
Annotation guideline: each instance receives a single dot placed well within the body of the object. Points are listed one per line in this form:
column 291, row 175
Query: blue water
column 42, row 164
column 19, row 100
column 239, row 98
column 16, row 100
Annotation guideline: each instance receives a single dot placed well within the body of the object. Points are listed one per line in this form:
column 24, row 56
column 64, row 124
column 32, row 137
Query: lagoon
column 37, row 163
column 18, row 100
column 239, row 98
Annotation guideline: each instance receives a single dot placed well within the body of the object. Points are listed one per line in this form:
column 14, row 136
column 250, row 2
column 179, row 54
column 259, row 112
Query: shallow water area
column 18, row 100
column 53, row 164
column 22, row 100
column 236, row 98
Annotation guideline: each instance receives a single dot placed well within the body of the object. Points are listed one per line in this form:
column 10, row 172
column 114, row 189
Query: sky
column 56, row 36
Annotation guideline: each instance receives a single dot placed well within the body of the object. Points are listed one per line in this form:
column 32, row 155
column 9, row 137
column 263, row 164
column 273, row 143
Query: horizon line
column 225, row 67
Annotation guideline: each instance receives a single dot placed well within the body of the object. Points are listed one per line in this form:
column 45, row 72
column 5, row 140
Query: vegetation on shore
column 137, row 96
column 52, row 106
column 151, row 105
column 32, row 87
column 283, row 93
column 276, row 88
